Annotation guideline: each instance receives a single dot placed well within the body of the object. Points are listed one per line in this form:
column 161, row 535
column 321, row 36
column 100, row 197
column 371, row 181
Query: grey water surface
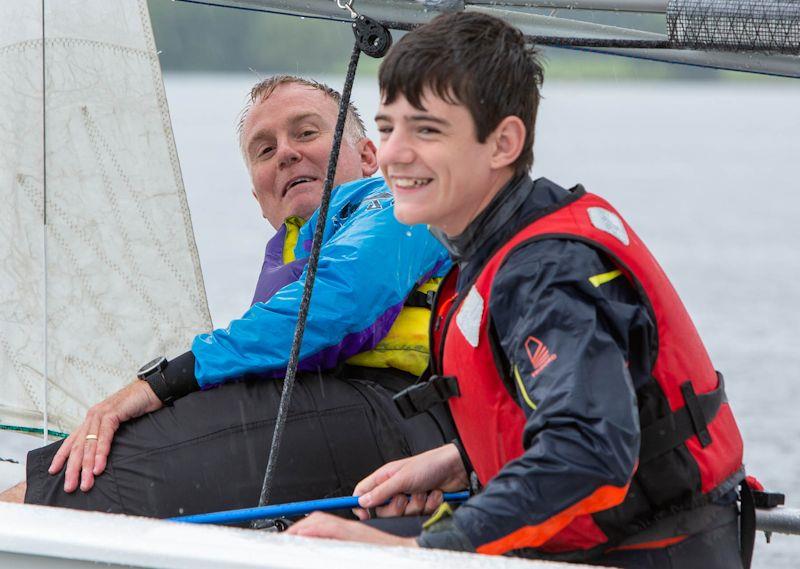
column 708, row 173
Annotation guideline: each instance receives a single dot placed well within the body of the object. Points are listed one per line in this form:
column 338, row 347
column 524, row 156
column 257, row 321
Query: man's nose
column 288, row 154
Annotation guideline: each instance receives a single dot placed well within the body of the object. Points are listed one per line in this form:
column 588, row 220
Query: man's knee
column 15, row 494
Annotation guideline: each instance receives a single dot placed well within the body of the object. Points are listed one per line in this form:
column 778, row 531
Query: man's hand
column 424, row 476
column 86, row 458
column 319, row 524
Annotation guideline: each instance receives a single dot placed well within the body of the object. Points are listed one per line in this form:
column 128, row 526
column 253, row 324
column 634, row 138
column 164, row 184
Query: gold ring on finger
column 91, row 437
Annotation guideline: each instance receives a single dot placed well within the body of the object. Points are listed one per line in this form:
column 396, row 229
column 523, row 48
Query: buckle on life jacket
column 692, row 419
column 419, row 299
column 420, row 397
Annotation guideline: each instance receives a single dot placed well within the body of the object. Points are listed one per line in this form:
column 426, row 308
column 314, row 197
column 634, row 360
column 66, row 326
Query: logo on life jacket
column 539, row 355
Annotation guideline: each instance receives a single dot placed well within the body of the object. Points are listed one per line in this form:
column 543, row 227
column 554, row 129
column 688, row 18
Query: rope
column 558, row 41
column 313, row 261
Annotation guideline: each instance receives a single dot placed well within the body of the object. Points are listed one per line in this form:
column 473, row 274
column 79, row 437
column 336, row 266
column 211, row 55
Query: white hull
column 42, row 537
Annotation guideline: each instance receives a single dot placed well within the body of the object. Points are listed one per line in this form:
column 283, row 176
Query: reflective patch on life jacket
column 469, row 317
column 609, row 222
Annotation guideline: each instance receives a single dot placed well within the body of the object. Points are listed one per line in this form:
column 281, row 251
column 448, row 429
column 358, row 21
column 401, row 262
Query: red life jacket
column 699, row 437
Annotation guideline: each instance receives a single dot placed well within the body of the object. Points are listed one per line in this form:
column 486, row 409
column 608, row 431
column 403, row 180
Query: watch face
column 151, row 366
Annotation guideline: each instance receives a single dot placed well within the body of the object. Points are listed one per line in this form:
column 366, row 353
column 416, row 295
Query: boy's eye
column 428, row 130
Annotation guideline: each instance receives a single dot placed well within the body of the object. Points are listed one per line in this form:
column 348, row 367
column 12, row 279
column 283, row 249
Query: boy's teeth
column 411, row 182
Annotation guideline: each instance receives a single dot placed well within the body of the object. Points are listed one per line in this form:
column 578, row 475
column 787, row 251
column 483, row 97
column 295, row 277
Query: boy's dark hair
column 472, row 59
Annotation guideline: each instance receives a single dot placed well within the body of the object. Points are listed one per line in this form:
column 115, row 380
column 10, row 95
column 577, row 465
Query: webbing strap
column 692, row 419
column 420, row 397
column 419, row 299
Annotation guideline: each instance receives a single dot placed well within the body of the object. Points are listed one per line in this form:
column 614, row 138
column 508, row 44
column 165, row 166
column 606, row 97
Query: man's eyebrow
column 265, row 134
column 415, row 118
column 303, row 116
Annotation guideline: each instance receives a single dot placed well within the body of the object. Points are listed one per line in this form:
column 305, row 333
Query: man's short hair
column 471, row 59
column 354, row 129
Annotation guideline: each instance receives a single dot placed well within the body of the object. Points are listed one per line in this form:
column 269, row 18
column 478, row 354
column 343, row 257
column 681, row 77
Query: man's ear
column 369, row 157
column 255, row 195
column 508, row 139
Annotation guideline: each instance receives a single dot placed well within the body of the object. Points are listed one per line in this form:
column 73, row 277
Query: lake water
column 707, row 173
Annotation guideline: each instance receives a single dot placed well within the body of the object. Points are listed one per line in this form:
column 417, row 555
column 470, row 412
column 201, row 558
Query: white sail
column 98, row 267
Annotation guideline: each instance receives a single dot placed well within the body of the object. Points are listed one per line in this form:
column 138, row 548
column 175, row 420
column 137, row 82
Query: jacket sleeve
column 566, row 346
column 368, row 264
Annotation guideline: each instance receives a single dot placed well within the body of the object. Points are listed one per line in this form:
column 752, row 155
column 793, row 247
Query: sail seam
column 66, row 41
column 161, row 96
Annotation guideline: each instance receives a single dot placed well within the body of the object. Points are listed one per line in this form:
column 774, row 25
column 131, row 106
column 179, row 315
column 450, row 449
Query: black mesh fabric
column 767, row 26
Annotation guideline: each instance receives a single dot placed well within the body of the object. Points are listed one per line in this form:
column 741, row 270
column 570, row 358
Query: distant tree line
column 199, row 38
column 192, row 37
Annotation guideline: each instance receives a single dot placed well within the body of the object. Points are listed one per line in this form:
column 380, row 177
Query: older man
column 180, row 447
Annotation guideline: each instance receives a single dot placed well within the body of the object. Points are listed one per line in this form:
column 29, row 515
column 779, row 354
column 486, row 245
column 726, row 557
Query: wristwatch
column 153, row 373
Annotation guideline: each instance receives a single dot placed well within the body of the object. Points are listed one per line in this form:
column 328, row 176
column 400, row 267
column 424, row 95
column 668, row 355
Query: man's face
column 287, row 141
column 438, row 171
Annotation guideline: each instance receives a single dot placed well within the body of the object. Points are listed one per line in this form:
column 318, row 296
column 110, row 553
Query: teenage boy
column 586, row 404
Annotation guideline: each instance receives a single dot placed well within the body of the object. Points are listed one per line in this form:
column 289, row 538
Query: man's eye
column 267, row 150
column 308, row 133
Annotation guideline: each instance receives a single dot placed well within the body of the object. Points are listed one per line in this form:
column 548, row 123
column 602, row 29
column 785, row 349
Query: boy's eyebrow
column 415, row 118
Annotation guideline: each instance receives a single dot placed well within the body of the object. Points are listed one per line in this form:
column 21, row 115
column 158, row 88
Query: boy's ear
column 507, row 139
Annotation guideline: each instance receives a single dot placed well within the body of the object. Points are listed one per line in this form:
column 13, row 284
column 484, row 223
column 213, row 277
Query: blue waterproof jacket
column 368, row 266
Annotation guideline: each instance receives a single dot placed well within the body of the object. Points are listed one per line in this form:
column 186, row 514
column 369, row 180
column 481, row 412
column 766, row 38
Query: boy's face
column 437, row 170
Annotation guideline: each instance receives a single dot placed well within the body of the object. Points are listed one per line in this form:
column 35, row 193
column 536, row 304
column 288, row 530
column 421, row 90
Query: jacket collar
column 489, row 224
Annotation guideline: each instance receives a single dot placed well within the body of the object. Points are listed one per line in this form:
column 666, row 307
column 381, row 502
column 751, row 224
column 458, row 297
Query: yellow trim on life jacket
column 405, row 346
column 441, row 512
column 522, row 390
column 603, row 278
column 293, row 225
column 430, row 286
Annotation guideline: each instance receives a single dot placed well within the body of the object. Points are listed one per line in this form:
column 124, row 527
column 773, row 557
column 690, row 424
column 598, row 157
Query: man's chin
column 303, row 203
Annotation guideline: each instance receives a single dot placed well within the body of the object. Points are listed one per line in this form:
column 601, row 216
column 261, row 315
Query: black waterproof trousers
column 209, row 450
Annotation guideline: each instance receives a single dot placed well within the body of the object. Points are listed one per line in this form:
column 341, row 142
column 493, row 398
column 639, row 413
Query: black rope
column 621, row 43
column 311, row 273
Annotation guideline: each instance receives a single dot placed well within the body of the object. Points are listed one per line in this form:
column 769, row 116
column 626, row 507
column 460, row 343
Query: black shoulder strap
column 419, row 299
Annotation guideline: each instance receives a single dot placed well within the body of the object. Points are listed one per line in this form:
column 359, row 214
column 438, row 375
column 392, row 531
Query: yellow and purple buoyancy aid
column 370, row 265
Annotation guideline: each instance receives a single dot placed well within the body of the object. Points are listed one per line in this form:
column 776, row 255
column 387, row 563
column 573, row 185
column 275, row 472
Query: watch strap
column 158, row 383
